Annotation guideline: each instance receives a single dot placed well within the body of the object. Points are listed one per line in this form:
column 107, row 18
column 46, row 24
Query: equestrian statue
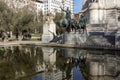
column 67, row 22
column 82, row 23
column 71, row 24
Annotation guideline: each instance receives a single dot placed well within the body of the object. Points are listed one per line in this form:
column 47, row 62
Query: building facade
column 44, row 6
column 39, row 7
column 101, row 11
column 53, row 6
column 36, row 6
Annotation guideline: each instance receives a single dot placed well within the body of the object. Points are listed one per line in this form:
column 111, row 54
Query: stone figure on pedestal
column 49, row 28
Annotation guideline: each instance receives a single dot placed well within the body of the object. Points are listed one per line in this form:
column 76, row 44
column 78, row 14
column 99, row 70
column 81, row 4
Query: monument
column 75, row 33
column 102, row 21
column 49, row 28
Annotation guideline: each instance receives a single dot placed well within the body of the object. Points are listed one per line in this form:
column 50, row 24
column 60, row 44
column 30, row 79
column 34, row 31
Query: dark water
column 47, row 63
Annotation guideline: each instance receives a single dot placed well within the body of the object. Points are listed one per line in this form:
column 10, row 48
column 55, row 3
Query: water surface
column 47, row 63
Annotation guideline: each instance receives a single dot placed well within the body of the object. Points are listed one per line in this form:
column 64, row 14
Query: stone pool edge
column 39, row 43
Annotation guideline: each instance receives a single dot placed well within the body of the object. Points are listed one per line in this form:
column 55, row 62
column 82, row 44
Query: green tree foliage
column 57, row 19
column 23, row 21
column 17, row 21
column 5, row 17
column 38, row 22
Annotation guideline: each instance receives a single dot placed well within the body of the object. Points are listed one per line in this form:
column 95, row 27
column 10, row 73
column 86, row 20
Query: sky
column 77, row 5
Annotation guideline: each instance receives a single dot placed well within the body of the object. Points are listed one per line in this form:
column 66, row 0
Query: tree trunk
column 20, row 36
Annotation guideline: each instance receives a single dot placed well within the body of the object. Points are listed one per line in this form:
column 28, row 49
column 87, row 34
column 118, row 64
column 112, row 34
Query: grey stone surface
column 99, row 38
column 74, row 38
column 102, row 16
column 48, row 29
column 102, row 12
column 104, row 34
column 46, row 38
column 117, row 38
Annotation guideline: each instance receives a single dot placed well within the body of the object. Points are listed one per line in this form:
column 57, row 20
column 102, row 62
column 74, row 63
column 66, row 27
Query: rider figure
column 68, row 13
column 82, row 21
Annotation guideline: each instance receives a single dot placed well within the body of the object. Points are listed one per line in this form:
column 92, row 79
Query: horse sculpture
column 81, row 25
column 72, row 25
column 67, row 22
column 69, row 25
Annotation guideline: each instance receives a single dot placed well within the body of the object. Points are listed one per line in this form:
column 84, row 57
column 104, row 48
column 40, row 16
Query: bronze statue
column 82, row 22
column 68, row 13
column 67, row 21
column 71, row 24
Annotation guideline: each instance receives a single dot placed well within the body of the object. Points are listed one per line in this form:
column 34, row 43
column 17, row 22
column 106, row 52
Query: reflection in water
column 45, row 63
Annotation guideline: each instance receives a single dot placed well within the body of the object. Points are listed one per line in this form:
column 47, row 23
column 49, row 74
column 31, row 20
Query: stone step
column 97, row 40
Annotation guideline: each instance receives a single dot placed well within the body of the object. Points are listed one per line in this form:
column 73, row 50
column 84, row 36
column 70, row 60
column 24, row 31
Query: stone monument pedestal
column 117, row 38
column 117, row 35
column 49, row 28
column 74, row 38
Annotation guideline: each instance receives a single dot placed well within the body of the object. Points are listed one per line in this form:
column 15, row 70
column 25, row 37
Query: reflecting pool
column 52, row 63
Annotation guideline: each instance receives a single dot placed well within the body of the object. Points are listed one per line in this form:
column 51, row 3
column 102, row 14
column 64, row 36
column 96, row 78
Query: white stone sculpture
column 49, row 27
